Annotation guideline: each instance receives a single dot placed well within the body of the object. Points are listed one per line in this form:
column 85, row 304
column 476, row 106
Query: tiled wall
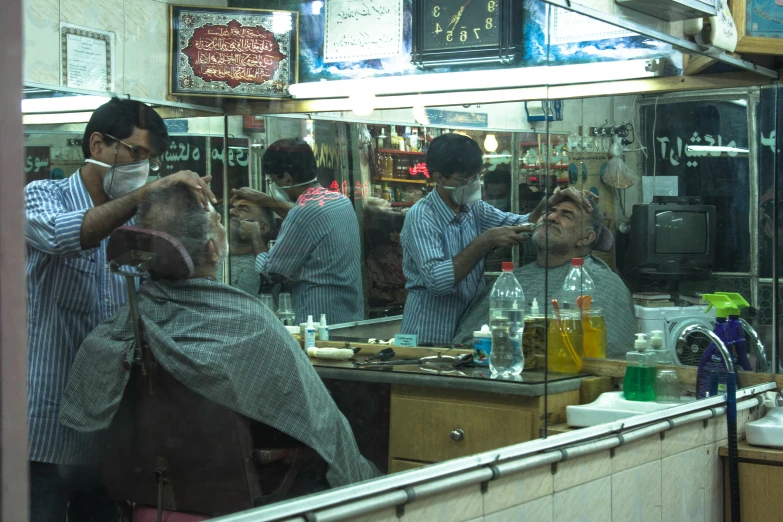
column 141, row 32
column 679, row 478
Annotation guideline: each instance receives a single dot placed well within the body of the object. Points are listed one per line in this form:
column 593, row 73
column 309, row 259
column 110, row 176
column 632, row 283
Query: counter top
column 532, row 383
column 758, row 453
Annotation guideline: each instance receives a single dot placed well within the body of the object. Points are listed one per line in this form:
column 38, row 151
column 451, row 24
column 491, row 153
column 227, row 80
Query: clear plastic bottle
column 578, row 283
column 507, row 321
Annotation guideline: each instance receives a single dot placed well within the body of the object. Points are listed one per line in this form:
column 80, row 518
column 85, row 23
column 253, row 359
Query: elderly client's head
column 174, row 210
column 568, row 230
column 245, row 210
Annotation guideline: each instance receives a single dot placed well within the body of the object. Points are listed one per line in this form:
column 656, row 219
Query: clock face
column 461, row 24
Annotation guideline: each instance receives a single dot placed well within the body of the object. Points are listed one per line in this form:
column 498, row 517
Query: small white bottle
column 309, row 337
column 323, row 329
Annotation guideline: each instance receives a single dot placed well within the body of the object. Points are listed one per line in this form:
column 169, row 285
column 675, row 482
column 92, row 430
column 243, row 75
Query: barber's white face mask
column 282, row 194
column 466, row 194
column 124, row 178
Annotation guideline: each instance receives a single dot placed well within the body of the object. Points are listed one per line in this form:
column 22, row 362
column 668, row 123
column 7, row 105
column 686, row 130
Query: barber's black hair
column 118, row 118
column 451, row 153
column 175, row 210
column 290, row 155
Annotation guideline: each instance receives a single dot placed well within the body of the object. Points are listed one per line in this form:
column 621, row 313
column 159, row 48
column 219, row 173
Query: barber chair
column 174, row 454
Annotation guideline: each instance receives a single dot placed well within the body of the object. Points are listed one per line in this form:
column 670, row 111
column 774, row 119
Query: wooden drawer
column 421, row 429
column 398, row 465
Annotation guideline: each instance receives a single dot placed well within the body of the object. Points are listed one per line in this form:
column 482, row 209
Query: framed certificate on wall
column 759, row 25
column 248, row 53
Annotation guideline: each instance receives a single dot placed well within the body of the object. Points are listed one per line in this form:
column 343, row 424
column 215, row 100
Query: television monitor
column 671, row 241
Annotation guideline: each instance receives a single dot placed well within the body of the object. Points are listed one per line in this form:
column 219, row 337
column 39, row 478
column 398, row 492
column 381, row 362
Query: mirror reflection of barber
column 317, row 247
column 447, row 235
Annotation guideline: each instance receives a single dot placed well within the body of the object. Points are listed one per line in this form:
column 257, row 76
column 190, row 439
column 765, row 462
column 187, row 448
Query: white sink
column 612, row 406
column 767, row 431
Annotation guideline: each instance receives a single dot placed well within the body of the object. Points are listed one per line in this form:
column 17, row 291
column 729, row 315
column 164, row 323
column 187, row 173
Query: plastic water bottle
column 507, row 321
column 577, row 283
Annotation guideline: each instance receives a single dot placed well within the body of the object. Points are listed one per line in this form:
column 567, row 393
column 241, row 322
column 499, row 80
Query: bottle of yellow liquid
column 594, row 331
column 562, row 333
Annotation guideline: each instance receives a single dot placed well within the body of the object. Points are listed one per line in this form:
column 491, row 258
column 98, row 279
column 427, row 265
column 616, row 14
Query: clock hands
column 456, row 18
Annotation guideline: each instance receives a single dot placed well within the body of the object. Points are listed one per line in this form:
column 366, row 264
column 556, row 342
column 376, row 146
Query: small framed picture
column 759, row 25
column 247, row 53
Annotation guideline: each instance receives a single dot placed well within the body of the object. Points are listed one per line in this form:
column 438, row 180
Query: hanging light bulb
column 490, row 143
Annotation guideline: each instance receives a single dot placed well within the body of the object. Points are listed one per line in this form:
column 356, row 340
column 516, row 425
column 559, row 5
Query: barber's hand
column 583, row 198
column 255, row 196
column 506, row 236
column 249, row 230
column 198, row 186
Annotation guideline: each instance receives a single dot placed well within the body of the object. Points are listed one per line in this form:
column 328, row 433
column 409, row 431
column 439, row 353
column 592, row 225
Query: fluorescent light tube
column 62, row 104
column 715, row 148
column 478, row 80
column 56, row 118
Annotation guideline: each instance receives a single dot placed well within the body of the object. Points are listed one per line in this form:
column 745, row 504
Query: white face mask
column 282, row 194
column 124, row 178
column 500, row 204
column 466, row 194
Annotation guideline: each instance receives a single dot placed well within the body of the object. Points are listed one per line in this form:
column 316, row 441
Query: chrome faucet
column 762, row 363
column 727, row 360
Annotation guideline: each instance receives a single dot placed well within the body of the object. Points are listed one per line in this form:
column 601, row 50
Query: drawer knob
column 457, row 435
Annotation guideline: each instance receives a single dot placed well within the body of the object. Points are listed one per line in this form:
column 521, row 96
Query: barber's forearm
column 282, row 208
column 101, row 221
column 465, row 261
column 537, row 212
column 259, row 246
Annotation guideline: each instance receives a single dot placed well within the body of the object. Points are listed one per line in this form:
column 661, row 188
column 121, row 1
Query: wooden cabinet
column 760, row 477
column 432, row 424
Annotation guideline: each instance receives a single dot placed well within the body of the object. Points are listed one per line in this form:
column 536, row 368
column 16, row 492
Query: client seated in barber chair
column 209, row 338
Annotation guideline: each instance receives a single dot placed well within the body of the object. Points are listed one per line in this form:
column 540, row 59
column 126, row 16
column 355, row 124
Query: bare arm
column 493, row 238
column 278, row 206
column 101, row 221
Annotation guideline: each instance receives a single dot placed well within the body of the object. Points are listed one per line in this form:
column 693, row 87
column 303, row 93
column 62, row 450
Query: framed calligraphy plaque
column 247, row 53
column 86, row 58
column 759, row 25
column 362, row 30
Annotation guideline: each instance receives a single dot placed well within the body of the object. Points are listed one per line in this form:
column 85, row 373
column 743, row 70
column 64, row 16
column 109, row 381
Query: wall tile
column 713, row 483
column 637, row 453
column 540, row 510
column 683, row 438
column 588, row 502
column 41, row 41
column 146, row 49
column 636, row 494
column 716, row 430
column 460, row 504
column 580, row 470
column 683, row 483
column 519, row 488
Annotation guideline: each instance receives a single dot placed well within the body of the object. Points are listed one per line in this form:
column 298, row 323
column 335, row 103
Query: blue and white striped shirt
column 431, row 236
column 69, row 291
column 318, row 249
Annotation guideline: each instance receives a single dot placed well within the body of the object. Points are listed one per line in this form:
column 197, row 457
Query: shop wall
column 141, row 32
column 677, row 478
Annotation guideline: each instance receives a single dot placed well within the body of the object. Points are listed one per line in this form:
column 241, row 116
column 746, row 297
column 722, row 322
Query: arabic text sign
column 362, row 30
column 36, row 163
column 220, row 51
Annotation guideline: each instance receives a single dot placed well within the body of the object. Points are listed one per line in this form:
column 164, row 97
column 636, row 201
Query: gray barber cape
column 226, row 346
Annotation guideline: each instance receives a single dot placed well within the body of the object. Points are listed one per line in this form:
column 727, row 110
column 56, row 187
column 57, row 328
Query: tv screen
column 681, row 232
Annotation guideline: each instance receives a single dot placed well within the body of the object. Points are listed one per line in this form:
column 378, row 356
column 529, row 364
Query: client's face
column 565, row 225
column 244, row 210
column 218, row 231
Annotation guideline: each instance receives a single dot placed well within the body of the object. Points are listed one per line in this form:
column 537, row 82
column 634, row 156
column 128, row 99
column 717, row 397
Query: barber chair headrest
column 606, row 241
column 158, row 253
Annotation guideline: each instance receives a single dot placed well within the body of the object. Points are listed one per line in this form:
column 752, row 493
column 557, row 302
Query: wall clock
column 454, row 32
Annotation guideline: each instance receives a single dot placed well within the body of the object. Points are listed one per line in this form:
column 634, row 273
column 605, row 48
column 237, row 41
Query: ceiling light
column 490, row 143
column 472, row 80
column 62, row 104
column 56, row 118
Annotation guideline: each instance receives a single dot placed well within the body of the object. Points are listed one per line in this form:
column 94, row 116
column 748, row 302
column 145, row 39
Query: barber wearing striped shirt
column 446, row 236
column 70, row 289
column 318, row 249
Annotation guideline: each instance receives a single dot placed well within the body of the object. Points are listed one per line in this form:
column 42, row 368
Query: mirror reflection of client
column 573, row 232
column 318, row 247
column 250, row 224
column 193, row 323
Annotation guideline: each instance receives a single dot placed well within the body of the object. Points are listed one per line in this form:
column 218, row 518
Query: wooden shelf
column 395, row 151
column 395, row 180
